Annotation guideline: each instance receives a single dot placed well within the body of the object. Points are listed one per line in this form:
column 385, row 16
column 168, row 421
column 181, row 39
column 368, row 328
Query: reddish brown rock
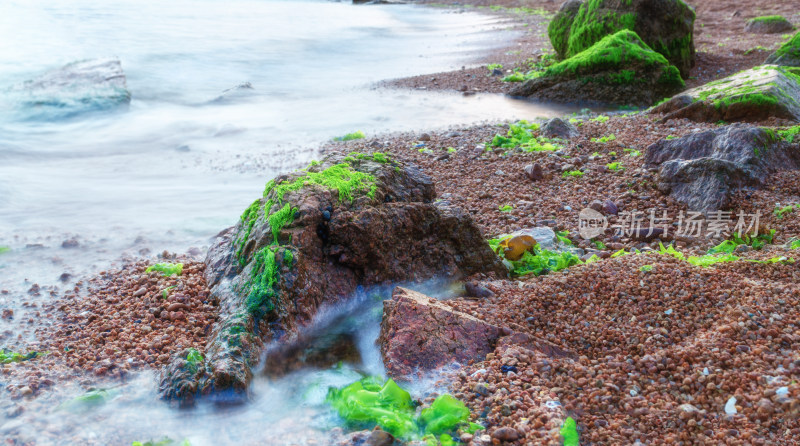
column 419, row 333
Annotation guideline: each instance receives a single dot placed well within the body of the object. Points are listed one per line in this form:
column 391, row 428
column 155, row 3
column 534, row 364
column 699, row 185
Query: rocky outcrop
column 312, row 239
column 788, row 54
column 751, row 95
column 419, row 334
column 772, row 24
column 76, row 88
column 619, row 69
column 666, row 26
column 704, row 169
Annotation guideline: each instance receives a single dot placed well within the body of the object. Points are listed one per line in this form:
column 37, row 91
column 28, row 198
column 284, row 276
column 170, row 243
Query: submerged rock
column 666, row 26
column 788, row 54
column 316, row 236
column 756, row 94
column 76, row 88
column 704, row 169
column 772, row 24
column 419, row 333
column 619, row 69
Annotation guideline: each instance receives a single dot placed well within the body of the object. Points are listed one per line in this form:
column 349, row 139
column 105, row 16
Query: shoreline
column 482, row 181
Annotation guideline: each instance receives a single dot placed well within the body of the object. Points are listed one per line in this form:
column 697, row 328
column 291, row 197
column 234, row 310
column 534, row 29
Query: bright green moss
column 369, row 402
column 248, row 220
column 351, row 136
column 340, row 177
column 7, row 356
column 589, row 27
column 521, row 135
column 790, row 48
column 604, row 139
column 619, row 51
column 193, row 360
column 166, row 269
column 751, row 99
column 538, row 261
column 767, row 19
column 790, row 134
column 279, row 219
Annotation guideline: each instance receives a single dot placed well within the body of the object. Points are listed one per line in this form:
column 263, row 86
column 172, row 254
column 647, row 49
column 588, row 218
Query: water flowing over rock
column 704, row 169
column 619, row 69
column 666, row 26
column 314, row 238
column 756, row 94
column 74, row 89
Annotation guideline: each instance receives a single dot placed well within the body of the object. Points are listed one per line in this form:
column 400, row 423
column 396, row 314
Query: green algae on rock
column 788, row 54
column 771, row 24
column 666, row 26
column 620, row 68
column 756, row 94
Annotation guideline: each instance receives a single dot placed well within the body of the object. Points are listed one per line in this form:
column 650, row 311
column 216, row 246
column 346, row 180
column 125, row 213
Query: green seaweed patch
column 536, row 261
column 789, row 134
column 604, row 139
column 506, row 208
column 370, row 402
column 569, row 432
column 8, row 356
column 166, row 269
column 521, row 135
column 351, row 136
column 615, row 166
column 795, row 244
column 193, row 360
column 4, row 249
column 572, row 174
column 261, row 286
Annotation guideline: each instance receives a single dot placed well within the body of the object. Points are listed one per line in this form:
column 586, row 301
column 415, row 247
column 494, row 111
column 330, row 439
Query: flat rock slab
column 419, row 334
column 751, row 95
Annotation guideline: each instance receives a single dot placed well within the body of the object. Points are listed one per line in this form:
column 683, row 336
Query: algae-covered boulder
column 788, row 54
column 771, row 24
column 666, row 26
column 619, row 69
column 751, row 95
column 312, row 239
column 704, row 169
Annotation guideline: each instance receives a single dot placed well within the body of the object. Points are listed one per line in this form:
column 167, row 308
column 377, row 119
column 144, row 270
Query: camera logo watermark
column 592, row 224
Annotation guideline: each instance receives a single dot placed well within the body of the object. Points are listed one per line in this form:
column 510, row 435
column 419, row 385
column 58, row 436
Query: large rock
column 771, row 24
column 619, row 69
column 788, row 54
column 314, row 237
column 419, row 334
column 704, row 169
column 76, row 88
column 666, row 26
column 751, row 95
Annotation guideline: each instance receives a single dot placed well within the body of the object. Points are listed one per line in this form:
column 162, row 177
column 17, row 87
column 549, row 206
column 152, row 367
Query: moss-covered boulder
column 619, row 69
column 751, row 95
column 788, row 54
column 770, row 24
column 664, row 25
column 312, row 239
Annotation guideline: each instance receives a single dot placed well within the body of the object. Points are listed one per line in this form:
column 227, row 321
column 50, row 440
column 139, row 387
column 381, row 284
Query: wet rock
column 610, row 208
column 703, row 169
column 534, row 172
column 768, row 25
column 641, row 78
column 475, row 289
column 418, row 333
column 237, row 93
column 665, row 26
column 559, row 128
column 751, row 95
column 545, row 237
column 76, row 88
column 270, row 281
column 70, row 243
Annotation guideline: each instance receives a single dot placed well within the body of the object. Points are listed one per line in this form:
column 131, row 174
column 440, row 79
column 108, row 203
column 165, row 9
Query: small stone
column 534, row 172
column 506, row 434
